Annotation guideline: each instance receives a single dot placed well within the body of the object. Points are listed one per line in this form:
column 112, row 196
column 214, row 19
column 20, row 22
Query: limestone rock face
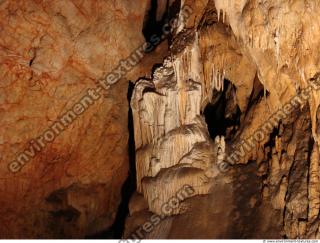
column 51, row 52
column 225, row 126
column 251, row 67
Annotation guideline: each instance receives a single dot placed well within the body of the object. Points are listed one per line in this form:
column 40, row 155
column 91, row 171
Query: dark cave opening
column 153, row 25
column 129, row 186
column 222, row 118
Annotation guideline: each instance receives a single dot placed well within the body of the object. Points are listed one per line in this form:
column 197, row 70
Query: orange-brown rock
column 51, row 52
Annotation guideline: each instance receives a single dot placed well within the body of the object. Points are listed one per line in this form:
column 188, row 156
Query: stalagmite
column 217, row 79
column 277, row 39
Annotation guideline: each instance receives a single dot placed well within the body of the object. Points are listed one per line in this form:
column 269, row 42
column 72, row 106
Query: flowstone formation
column 240, row 66
column 173, row 147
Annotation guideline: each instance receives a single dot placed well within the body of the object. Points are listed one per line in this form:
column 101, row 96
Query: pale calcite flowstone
column 173, row 147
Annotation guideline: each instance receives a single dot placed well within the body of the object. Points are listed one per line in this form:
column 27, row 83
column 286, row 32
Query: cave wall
column 252, row 56
column 262, row 180
column 51, row 53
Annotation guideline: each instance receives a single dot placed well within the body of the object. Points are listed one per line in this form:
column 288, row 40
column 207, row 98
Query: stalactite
column 181, row 23
column 277, row 40
column 217, row 78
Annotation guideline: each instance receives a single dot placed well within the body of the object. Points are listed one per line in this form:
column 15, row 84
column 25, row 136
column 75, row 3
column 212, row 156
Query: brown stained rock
column 50, row 53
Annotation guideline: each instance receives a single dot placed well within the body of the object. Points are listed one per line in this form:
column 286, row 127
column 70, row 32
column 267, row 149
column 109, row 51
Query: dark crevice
column 155, row 27
column 30, row 62
column 129, row 186
column 68, row 215
column 272, row 140
column 217, row 120
column 154, row 68
column 151, row 25
column 257, row 94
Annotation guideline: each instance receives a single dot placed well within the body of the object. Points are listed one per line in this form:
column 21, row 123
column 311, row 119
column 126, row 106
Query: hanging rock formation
column 256, row 63
column 173, row 147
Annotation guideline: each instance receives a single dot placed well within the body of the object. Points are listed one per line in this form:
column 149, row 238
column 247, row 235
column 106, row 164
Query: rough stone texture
column 267, row 50
column 173, row 147
column 50, row 53
column 232, row 63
